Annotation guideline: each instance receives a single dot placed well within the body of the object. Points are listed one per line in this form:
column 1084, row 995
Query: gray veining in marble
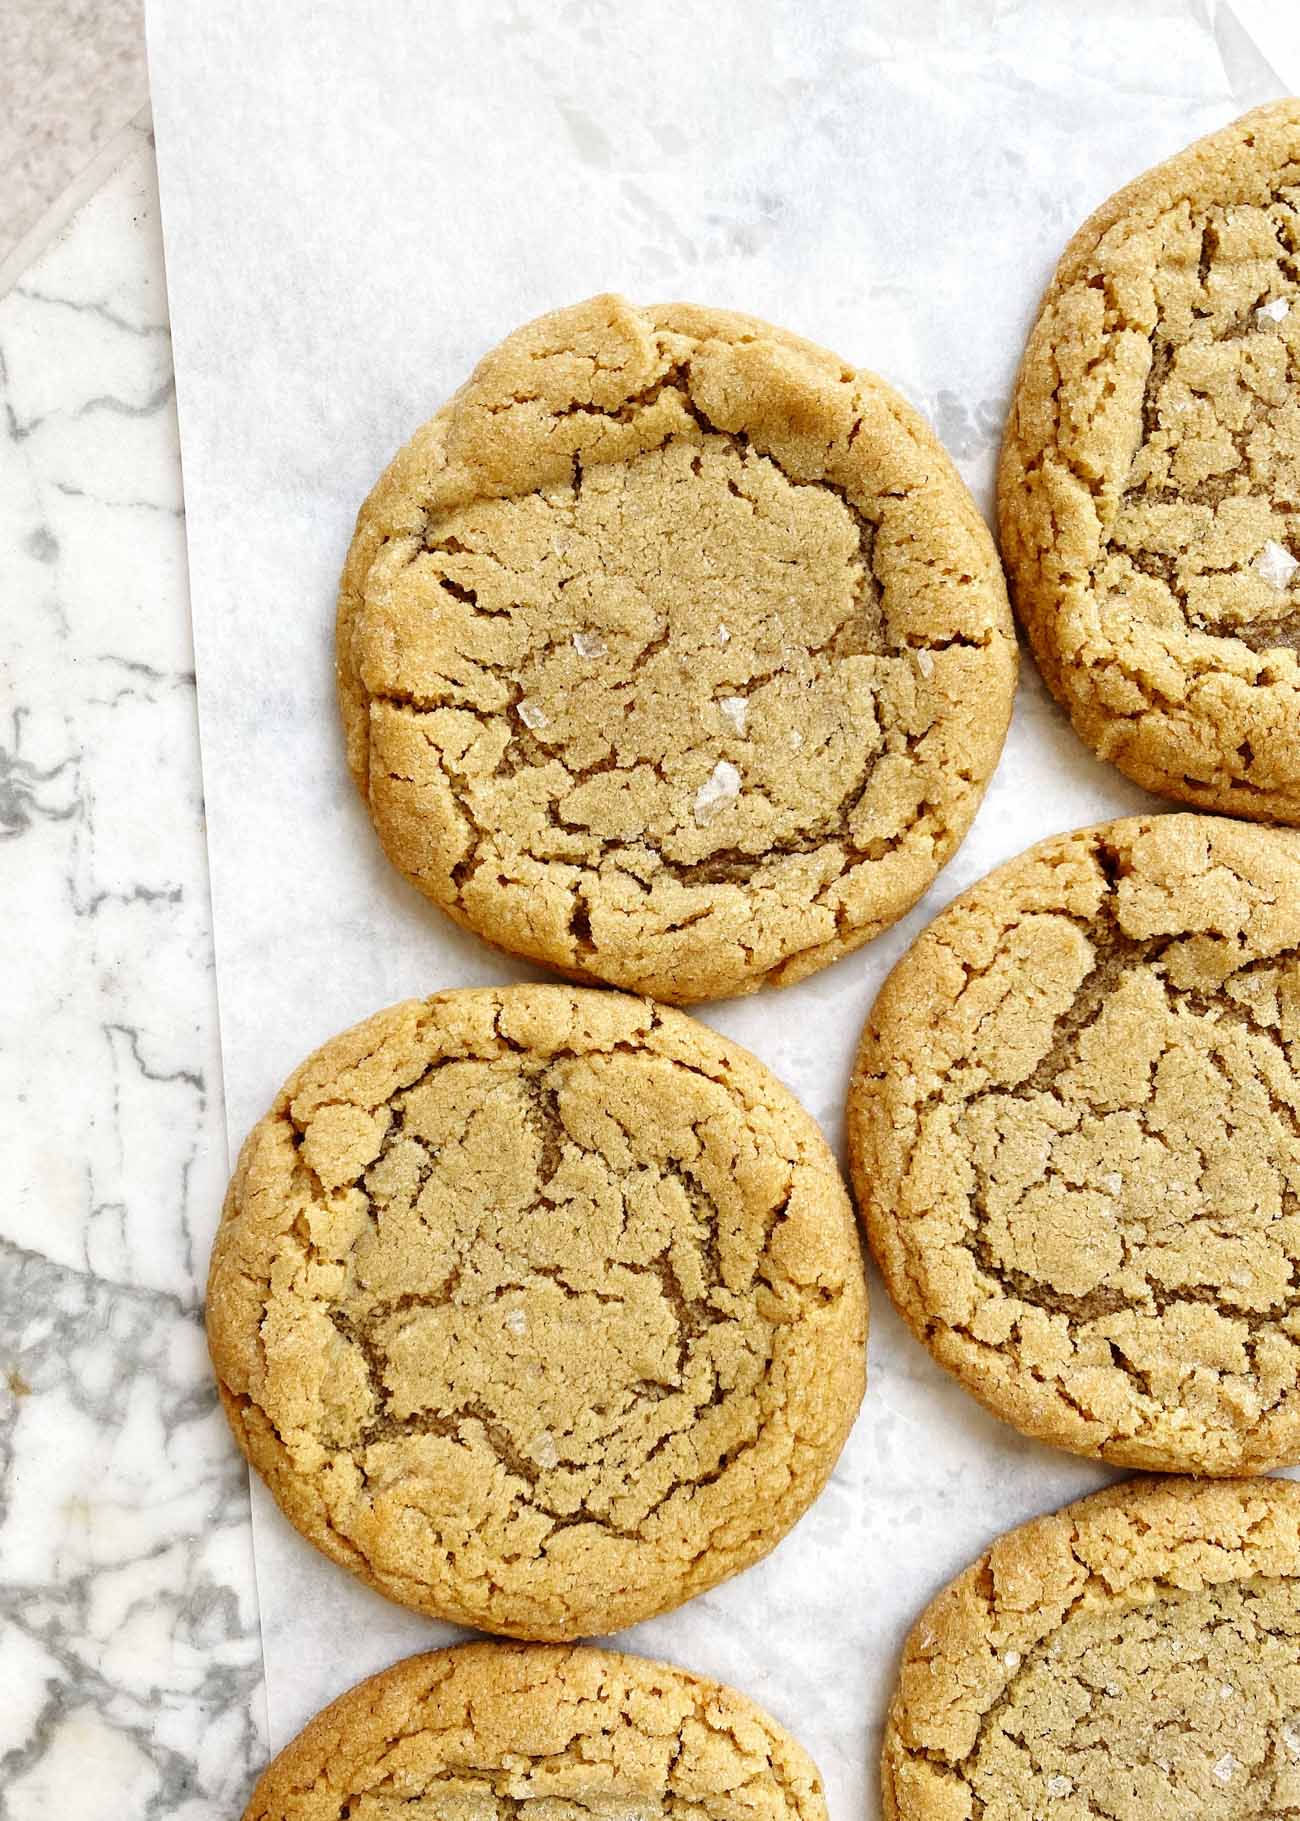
column 130, row 1654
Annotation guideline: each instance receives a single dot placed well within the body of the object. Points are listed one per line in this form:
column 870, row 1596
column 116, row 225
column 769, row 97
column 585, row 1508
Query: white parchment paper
column 359, row 199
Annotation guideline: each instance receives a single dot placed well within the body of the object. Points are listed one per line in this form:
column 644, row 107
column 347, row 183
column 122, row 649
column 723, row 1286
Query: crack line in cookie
column 1127, row 1192
column 678, row 685
column 711, row 1306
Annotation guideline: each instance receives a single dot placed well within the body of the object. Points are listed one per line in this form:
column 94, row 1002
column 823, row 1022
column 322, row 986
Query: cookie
column 487, row 1730
column 540, row 1309
column 1136, row 1656
column 1149, row 489
column 672, row 652
column 1075, row 1138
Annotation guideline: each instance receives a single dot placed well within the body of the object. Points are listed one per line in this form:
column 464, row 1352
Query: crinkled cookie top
column 1136, row 1656
column 540, row 1309
column 501, row 1732
column 1075, row 1133
column 1149, row 494
column 672, row 652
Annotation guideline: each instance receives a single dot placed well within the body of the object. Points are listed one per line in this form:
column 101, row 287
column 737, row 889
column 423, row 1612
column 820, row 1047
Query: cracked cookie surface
column 541, row 1309
column 1135, row 1656
column 1149, row 491
column 501, row 1732
column 672, row 652
column 1074, row 1129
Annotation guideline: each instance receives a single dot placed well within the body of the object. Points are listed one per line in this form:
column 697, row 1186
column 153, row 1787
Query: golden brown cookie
column 1074, row 1128
column 1135, row 1656
column 672, row 652
column 540, row 1309
column 1149, row 493
column 504, row 1732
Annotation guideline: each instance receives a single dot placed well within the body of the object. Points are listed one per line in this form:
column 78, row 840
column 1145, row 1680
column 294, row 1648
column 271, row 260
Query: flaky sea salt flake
column 1059, row 1786
column 718, row 789
column 517, row 1322
column 1275, row 565
column 1274, row 311
column 589, row 645
column 1291, row 1739
column 530, row 714
column 734, row 709
column 724, row 637
column 925, row 661
column 545, row 1453
column 1224, row 1768
column 1012, row 1659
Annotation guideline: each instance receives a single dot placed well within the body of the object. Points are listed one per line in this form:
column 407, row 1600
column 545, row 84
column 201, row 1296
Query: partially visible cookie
column 489, row 1731
column 1149, row 494
column 1074, row 1128
column 672, row 652
column 540, row 1309
column 1135, row 1656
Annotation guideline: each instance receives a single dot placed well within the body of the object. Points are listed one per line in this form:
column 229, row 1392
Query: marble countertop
column 72, row 76
column 130, row 1652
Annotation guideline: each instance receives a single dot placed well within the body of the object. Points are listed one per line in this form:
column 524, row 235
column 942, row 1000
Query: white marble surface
column 73, row 76
column 130, row 1658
